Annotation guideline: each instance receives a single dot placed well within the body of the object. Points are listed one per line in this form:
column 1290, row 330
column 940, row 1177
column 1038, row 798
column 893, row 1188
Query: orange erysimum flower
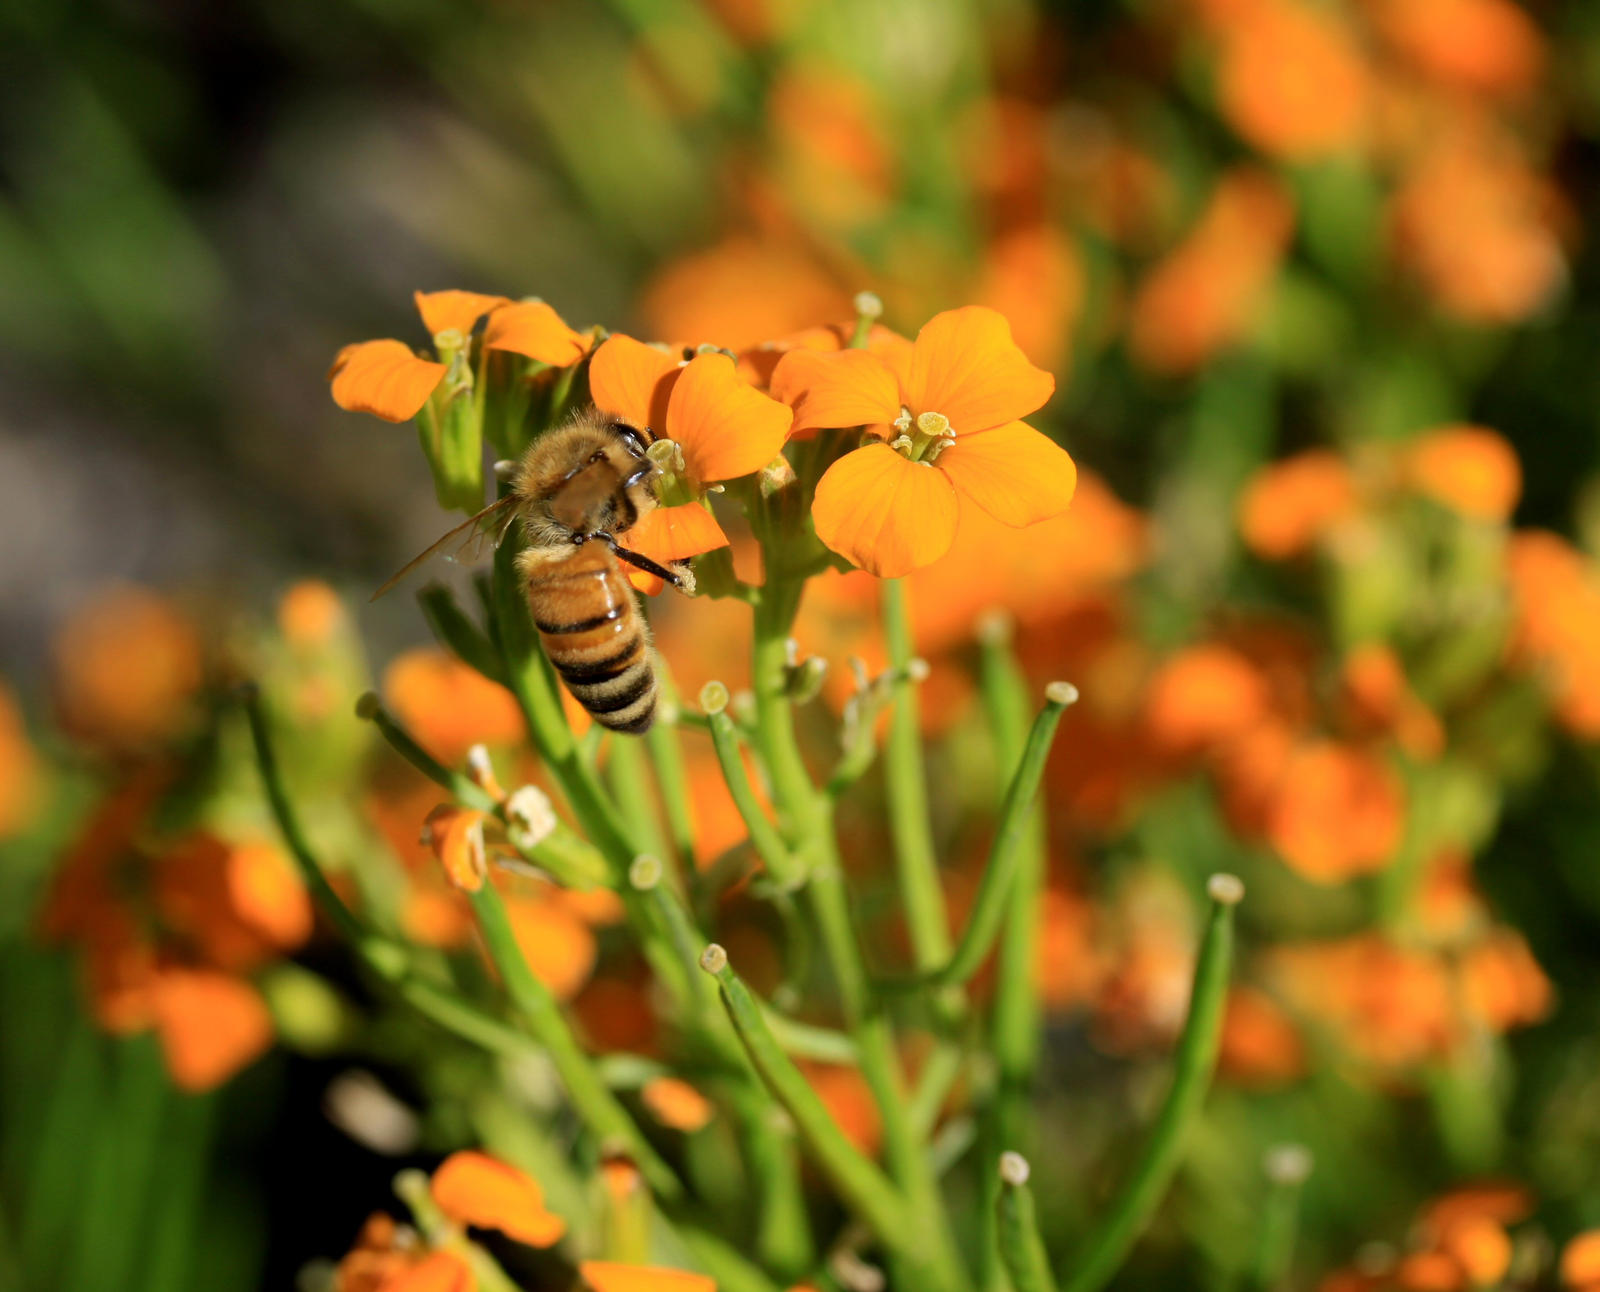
column 1378, row 701
column 1202, row 696
column 1204, row 296
column 455, row 835
column 558, row 946
column 436, row 1272
column 389, row 380
column 1491, row 46
column 19, row 768
column 128, row 665
column 892, row 508
column 475, row 1189
column 1477, row 224
column 1580, row 1260
column 309, row 614
column 210, row 1024
column 1289, row 505
column 676, row 1103
column 1292, row 79
column 238, row 903
column 1260, row 1046
column 723, row 427
column 1338, row 812
column 608, row 1276
column 1468, row 468
column 449, row 706
column 1555, row 592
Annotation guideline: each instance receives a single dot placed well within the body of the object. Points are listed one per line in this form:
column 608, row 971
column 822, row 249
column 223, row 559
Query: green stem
column 387, row 959
column 1009, row 848
column 769, row 845
column 672, row 775
column 1287, row 1167
column 859, row 1182
column 806, row 818
column 1194, row 1064
column 1020, row 1244
column 909, row 823
column 466, row 640
column 1014, row 1019
column 594, row 1103
column 628, row 772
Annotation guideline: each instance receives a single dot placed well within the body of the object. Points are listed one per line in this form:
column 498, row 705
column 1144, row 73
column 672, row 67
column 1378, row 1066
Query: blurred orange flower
column 676, row 1104
column 210, row 1024
column 558, row 946
column 1290, row 505
column 1337, row 812
column 1377, row 700
column 1555, row 594
column 1202, row 696
column 1468, row 468
column 607, row 1276
column 1261, row 1046
column 475, row 1189
column 1292, row 79
column 449, row 706
column 1580, row 1261
column 1490, row 46
column 955, row 407
column 128, row 666
column 1203, row 297
column 21, row 776
column 1477, row 225
column 309, row 614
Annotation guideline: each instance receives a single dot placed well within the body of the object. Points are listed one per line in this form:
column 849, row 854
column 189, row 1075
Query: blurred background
column 1234, row 229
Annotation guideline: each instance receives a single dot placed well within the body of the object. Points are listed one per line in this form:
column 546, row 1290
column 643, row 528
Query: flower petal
column 609, row 1276
column 842, row 388
column 966, row 366
column 633, row 380
column 534, row 329
column 453, row 311
column 476, row 1189
column 211, row 1025
column 1013, row 472
column 436, row 1272
column 383, row 378
column 456, row 837
column 884, row 512
column 726, row 428
column 670, row 534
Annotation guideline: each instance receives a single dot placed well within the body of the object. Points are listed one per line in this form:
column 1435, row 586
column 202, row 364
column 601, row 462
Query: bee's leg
column 680, row 579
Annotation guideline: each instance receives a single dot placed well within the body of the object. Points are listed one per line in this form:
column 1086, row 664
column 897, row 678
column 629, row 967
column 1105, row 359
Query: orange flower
column 1480, row 1247
column 309, row 614
column 436, row 1272
column 1378, row 701
column 1468, row 468
column 1289, row 505
column 211, row 1025
column 676, row 1104
column 1204, row 296
column 456, row 837
column 558, row 946
column 1292, row 80
column 724, row 428
column 955, row 408
column 128, row 665
column 741, row 292
column 449, row 706
column 1261, row 1047
column 1580, row 1260
column 1203, row 696
column 1035, row 277
column 475, row 1189
column 1478, row 226
column 239, row 904
column 1338, row 813
column 20, row 774
column 1502, row 984
column 389, row 380
column 608, row 1276
column 1556, row 599
column 1490, row 46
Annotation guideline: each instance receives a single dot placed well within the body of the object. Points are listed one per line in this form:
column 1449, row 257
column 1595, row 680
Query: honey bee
column 575, row 490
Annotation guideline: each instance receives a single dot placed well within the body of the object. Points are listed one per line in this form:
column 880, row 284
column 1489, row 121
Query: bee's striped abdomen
column 595, row 637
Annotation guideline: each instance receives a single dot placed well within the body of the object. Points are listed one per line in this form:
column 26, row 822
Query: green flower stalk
column 1194, row 1064
column 1020, row 1244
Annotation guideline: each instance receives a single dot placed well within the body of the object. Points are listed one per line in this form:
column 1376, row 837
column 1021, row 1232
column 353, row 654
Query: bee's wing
column 469, row 534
